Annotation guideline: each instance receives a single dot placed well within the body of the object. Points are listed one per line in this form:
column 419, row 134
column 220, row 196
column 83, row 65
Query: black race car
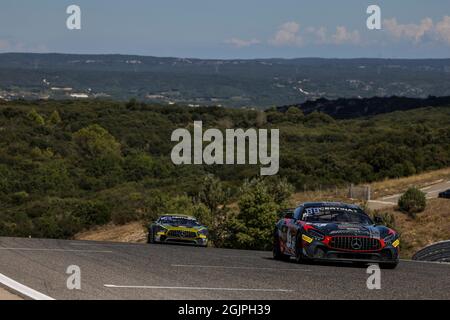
column 334, row 232
column 445, row 194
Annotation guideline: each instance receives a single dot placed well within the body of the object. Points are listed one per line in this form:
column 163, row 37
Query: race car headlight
column 389, row 239
column 396, row 243
column 316, row 235
column 203, row 232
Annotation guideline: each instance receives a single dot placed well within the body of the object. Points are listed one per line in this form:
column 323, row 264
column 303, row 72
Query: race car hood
column 181, row 227
column 350, row 229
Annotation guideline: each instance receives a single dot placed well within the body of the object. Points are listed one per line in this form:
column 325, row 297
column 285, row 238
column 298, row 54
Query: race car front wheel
column 277, row 253
column 299, row 250
column 151, row 236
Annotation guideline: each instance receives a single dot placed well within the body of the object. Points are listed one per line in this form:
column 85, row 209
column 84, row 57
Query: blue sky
column 229, row 28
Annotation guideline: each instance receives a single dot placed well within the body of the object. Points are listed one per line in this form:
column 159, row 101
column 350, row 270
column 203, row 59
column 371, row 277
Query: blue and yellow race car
column 178, row 229
column 335, row 232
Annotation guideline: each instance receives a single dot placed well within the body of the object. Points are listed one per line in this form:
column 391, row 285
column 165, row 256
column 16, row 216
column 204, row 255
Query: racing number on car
column 288, row 238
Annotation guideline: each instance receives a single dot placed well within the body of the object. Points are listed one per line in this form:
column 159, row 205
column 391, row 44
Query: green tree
column 204, row 216
column 95, row 142
column 34, row 116
column 214, row 198
column 295, row 115
column 51, row 177
column 212, row 194
column 257, row 215
column 139, row 166
column 54, row 118
column 259, row 202
column 132, row 104
column 281, row 190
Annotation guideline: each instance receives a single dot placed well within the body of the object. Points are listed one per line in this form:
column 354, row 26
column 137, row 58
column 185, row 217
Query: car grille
column 181, row 234
column 355, row 243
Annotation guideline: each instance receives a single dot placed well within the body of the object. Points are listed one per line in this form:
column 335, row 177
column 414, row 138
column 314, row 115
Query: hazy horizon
column 229, row 58
column 251, row 29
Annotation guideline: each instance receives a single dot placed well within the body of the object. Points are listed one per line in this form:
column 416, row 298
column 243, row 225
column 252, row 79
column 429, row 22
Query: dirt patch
column 131, row 232
column 6, row 295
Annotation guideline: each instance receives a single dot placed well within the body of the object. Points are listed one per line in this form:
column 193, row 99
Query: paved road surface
column 431, row 192
column 140, row 271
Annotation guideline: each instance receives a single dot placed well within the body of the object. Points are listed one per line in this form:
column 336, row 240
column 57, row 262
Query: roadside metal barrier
column 439, row 252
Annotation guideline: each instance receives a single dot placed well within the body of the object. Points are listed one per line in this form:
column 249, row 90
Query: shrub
column 19, row 197
column 92, row 213
column 412, row 202
column 63, row 226
column 139, row 166
column 388, row 219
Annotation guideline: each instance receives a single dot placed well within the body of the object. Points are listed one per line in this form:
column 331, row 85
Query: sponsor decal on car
column 306, row 238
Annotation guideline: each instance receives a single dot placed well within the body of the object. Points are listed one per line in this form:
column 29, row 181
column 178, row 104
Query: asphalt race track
column 140, row 271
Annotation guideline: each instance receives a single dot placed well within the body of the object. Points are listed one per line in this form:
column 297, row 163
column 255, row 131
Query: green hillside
column 68, row 165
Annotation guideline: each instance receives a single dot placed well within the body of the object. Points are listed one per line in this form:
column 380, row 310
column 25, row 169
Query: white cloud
column 410, row 31
column 443, row 29
column 7, row 45
column 343, row 36
column 288, row 35
column 240, row 43
column 425, row 30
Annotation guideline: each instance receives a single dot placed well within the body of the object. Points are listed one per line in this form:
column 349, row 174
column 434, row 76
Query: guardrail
column 439, row 251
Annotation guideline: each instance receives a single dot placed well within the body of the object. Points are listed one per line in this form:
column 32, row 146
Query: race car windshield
column 179, row 221
column 331, row 214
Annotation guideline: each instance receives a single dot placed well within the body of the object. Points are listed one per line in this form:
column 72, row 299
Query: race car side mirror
column 378, row 220
column 287, row 214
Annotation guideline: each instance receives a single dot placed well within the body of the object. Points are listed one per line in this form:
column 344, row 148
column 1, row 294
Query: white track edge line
column 22, row 289
column 196, row 288
column 430, row 262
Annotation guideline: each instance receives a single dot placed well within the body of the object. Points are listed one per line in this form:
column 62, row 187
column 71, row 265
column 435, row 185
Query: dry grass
column 430, row 226
column 379, row 189
column 395, row 186
column 131, row 232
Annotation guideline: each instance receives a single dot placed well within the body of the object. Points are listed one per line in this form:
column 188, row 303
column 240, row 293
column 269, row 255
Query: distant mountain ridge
column 256, row 83
column 354, row 108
